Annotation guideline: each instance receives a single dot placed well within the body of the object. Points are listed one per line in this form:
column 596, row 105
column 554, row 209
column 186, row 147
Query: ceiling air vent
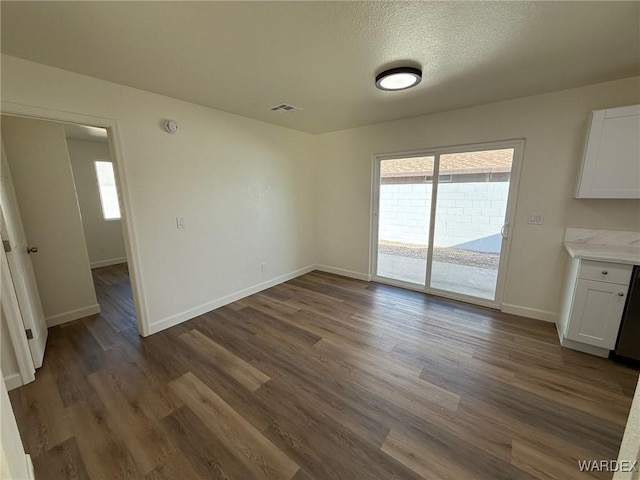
column 284, row 108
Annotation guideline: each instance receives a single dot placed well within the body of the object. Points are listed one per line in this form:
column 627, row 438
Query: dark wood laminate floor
column 321, row 377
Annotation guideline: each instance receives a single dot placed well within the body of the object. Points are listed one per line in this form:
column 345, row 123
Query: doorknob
column 32, row 250
column 504, row 231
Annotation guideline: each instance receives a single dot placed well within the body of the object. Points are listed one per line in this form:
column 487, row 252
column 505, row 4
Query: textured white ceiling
column 245, row 57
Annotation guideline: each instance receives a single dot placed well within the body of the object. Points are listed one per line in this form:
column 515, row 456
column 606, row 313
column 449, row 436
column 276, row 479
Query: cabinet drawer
column 605, row 272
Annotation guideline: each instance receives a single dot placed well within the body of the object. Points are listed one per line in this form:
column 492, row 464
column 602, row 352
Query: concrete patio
column 473, row 281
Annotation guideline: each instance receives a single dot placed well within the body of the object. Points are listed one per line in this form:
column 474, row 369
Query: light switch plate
column 180, row 222
column 535, row 218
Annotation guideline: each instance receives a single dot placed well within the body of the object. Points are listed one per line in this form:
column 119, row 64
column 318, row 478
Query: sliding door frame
column 375, row 215
column 514, row 183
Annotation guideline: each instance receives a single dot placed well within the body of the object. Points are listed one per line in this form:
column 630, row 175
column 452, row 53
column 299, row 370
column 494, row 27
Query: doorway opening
column 65, row 209
column 97, row 189
column 441, row 220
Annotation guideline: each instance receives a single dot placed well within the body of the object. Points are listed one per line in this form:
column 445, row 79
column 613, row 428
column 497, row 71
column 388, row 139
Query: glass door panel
column 404, row 212
column 471, row 207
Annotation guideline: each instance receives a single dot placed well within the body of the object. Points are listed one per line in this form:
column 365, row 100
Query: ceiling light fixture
column 399, row 78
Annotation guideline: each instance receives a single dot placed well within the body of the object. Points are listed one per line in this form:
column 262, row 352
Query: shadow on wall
column 489, row 244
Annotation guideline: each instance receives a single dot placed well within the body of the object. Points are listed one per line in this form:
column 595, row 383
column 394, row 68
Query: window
column 107, row 189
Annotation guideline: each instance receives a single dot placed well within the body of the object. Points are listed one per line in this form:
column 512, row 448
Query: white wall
column 43, row 180
column 251, row 191
column 105, row 243
column 244, row 187
column 466, row 212
column 554, row 126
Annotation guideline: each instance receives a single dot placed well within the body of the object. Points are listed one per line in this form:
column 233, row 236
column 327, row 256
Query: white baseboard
column 108, row 262
column 345, row 273
column 72, row 315
column 13, row 381
column 560, row 334
column 529, row 312
column 172, row 320
column 543, row 315
column 220, row 302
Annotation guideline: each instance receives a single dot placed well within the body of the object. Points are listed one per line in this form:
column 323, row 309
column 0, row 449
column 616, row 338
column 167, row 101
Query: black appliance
column 628, row 344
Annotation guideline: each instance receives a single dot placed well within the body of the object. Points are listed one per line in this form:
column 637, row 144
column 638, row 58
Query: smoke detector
column 170, row 126
column 284, row 108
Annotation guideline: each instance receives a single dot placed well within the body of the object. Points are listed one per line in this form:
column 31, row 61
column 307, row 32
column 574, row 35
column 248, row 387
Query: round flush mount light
column 399, row 78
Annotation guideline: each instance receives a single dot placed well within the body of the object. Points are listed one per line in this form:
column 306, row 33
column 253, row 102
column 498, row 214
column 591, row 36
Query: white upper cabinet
column 611, row 164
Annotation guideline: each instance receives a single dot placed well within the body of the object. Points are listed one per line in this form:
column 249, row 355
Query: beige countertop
column 604, row 253
column 603, row 245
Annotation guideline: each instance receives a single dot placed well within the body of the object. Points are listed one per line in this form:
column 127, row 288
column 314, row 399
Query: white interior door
column 20, row 266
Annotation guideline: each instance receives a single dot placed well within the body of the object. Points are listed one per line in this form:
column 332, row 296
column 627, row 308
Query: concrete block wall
column 466, row 212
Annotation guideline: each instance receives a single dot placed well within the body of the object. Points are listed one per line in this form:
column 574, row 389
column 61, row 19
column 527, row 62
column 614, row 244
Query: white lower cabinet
column 593, row 303
column 596, row 314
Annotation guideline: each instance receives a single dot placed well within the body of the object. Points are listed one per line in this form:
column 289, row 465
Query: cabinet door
column 596, row 313
column 611, row 165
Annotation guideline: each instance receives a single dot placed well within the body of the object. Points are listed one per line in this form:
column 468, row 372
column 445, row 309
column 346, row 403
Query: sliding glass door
column 404, row 218
column 442, row 220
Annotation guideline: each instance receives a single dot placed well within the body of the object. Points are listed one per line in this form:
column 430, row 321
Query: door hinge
column 6, row 245
column 29, row 334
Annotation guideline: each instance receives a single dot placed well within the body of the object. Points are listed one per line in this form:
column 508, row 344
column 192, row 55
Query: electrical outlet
column 263, row 267
column 535, row 219
column 180, row 222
